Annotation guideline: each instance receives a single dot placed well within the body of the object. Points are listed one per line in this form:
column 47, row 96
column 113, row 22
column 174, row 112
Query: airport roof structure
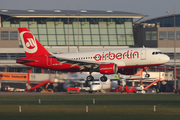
column 161, row 17
column 165, row 21
column 69, row 13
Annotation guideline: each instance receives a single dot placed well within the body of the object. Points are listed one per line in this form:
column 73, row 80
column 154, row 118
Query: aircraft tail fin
column 32, row 46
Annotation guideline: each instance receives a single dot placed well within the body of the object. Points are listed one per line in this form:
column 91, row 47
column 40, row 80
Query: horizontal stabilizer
column 25, row 60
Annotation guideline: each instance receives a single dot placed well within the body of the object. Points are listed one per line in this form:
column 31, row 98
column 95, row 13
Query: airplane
column 124, row 61
column 113, row 83
column 101, row 86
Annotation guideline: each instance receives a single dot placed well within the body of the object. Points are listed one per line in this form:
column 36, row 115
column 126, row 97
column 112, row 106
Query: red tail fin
column 32, row 46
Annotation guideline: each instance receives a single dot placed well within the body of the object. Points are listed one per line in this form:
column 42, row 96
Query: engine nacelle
column 128, row 71
column 108, row 68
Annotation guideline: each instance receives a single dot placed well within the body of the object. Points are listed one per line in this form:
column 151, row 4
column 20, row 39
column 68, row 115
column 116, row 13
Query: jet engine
column 128, row 71
column 108, row 68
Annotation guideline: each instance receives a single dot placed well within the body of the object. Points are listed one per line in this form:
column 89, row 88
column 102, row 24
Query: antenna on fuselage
column 143, row 46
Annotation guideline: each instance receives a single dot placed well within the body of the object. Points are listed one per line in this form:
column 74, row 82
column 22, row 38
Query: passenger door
column 143, row 54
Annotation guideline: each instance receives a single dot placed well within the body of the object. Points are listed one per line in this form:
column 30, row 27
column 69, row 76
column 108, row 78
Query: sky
column 152, row 8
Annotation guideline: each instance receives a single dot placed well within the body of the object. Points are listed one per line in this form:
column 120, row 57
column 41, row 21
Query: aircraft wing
column 74, row 62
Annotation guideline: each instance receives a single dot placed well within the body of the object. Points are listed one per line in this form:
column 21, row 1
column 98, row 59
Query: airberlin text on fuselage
column 111, row 56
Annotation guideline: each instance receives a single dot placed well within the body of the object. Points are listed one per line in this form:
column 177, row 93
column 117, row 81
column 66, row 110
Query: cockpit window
column 155, row 53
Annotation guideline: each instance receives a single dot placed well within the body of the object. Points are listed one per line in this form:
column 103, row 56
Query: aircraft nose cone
column 167, row 58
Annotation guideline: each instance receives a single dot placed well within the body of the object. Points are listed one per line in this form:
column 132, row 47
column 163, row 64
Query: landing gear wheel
column 147, row 75
column 103, row 78
column 90, row 78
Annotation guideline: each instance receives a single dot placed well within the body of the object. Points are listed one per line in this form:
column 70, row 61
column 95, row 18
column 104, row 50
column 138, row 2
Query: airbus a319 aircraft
column 124, row 61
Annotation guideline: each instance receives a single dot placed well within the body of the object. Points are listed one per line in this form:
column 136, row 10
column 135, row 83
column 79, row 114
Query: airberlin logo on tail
column 28, row 41
column 111, row 56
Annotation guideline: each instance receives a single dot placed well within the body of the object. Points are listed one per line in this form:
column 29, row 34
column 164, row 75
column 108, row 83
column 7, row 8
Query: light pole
column 174, row 50
column 78, row 28
column 68, row 29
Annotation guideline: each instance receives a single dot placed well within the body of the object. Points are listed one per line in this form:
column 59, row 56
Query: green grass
column 106, row 107
column 95, row 112
column 97, row 102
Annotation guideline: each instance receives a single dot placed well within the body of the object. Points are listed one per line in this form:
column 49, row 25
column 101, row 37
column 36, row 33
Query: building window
column 13, row 35
column 148, row 35
column 3, row 56
column 4, row 35
column 151, row 35
column 154, row 35
column 170, row 35
column 162, row 35
column 11, row 56
column 177, row 35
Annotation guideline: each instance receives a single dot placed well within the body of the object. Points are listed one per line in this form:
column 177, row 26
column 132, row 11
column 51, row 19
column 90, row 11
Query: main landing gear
column 91, row 78
column 103, row 78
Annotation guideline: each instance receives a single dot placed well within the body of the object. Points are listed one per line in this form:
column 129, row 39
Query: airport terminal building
column 62, row 31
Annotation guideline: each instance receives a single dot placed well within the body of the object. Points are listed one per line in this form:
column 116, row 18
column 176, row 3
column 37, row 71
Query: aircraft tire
column 147, row 75
column 90, row 78
column 103, row 78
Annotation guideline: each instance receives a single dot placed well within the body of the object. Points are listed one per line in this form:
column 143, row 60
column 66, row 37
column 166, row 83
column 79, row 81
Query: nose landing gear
column 147, row 74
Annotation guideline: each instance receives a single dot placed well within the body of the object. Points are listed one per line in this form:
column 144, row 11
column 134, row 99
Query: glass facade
column 82, row 31
column 167, row 21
